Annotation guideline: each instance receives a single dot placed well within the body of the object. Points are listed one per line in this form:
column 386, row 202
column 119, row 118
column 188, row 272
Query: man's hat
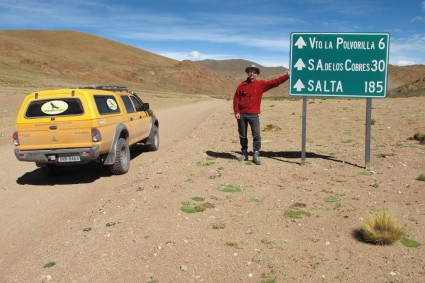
column 252, row 68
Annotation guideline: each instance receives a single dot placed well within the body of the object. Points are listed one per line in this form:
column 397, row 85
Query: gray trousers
column 253, row 120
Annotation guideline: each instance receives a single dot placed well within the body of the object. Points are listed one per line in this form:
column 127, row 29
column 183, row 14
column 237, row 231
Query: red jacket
column 248, row 95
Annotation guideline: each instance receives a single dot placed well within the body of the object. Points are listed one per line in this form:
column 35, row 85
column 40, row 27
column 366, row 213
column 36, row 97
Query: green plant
column 88, row 229
column 409, row 243
column 110, row 224
column 382, row 229
column 256, row 199
column 269, row 277
column 332, row 199
column 198, row 198
column 235, row 244
column 208, row 163
column 219, row 225
column 267, row 241
column 296, row 213
column 421, row 177
column 189, row 208
column 230, row 188
column 49, row 264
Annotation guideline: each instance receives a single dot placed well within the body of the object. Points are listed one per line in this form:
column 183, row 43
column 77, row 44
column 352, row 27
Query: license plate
column 69, row 158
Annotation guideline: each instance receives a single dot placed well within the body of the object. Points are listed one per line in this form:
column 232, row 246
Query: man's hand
column 237, row 116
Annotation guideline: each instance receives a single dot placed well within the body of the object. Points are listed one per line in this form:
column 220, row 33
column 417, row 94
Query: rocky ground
column 89, row 226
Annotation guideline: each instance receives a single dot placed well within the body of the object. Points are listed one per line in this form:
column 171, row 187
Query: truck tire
column 122, row 158
column 153, row 140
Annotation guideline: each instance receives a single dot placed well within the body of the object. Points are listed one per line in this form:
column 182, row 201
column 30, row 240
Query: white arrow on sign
column 299, row 65
column 299, row 85
column 300, row 43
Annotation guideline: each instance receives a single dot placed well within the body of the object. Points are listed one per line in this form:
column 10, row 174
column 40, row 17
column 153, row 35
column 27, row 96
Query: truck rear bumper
column 59, row 156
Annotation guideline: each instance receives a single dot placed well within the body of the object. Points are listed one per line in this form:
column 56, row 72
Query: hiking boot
column 244, row 156
column 256, row 158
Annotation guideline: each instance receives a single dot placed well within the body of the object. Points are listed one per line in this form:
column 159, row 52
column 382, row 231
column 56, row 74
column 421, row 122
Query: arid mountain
column 51, row 59
column 406, row 80
column 235, row 68
column 414, row 88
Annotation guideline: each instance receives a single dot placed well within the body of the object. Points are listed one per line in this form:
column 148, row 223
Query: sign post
column 353, row 65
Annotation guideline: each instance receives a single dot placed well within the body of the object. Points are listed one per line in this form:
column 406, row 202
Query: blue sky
column 257, row 30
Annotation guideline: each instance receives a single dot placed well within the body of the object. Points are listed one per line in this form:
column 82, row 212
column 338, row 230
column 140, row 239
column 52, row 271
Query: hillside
column 235, row 67
column 68, row 58
column 52, row 59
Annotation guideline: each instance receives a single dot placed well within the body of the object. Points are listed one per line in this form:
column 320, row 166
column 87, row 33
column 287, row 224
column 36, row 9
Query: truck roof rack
column 105, row 87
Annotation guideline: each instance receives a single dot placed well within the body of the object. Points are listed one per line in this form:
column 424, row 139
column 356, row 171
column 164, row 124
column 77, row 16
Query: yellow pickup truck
column 57, row 128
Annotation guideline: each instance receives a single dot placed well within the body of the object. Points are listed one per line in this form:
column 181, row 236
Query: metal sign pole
column 304, row 130
column 368, row 132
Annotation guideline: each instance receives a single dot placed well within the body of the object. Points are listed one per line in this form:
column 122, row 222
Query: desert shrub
column 272, row 128
column 230, row 188
column 296, row 214
column 189, row 208
column 382, row 229
column 420, row 136
column 421, row 177
column 203, row 164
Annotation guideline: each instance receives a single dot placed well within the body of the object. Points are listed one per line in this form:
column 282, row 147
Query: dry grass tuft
column 272, row 128
column 382, row 229
column 419, row 136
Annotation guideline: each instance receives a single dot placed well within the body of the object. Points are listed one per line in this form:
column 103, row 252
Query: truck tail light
column 95, row 135
column 15, row 138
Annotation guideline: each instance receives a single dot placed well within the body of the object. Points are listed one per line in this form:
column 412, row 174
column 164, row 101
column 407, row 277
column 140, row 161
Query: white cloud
column 417, row 19
column 423, row 5
column 193, row 55
column 408, row 51
column 405, row 62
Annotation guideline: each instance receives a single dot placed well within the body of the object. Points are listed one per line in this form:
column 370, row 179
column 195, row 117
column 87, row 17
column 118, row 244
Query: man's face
column 252, row 75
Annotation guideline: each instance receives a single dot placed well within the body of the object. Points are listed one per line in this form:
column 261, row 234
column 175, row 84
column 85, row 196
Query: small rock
column 46, row 278
column 183, row 267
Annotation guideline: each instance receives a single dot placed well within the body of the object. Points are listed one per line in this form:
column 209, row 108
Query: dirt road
column 35, row 206
column 94, row 227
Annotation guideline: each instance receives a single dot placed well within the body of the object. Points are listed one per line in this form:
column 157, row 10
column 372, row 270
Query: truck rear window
column 54, row 107
column 106, row 104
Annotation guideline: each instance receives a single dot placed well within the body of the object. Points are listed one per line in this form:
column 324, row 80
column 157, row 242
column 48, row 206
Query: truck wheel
column 154, row 139
column 122, row 158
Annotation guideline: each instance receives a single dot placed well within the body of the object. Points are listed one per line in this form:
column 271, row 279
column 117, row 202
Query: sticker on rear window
column 54, row 107
column 112, row 104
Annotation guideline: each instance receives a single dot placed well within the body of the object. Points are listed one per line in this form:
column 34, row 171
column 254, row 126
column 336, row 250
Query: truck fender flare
column 119, row 131
column 154, row 122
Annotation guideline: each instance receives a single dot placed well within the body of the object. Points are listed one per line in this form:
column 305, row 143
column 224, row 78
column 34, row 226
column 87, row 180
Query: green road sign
column 339, row 64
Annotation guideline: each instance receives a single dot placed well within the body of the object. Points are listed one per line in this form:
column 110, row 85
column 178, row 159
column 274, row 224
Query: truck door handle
column 54, row 127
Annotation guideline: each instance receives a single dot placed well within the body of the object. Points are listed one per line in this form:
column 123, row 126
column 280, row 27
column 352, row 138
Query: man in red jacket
column 247, row 107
